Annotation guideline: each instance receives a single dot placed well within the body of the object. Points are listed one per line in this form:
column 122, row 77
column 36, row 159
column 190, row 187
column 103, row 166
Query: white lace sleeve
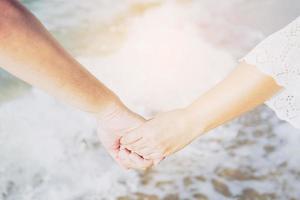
column 279, row 57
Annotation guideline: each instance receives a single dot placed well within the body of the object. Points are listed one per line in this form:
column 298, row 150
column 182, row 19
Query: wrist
column 199, row 122
column 114, row 107
column 116, row 112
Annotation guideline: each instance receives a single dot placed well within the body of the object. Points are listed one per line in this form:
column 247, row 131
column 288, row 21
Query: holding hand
column 162, row 136
column 48, row 66
column 114, row 123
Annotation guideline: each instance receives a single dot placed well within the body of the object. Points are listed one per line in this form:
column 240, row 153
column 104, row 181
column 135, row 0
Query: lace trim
column 279, row 56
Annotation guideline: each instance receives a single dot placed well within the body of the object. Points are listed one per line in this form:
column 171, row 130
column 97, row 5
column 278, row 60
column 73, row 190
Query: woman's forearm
column 29, row 52
column 243, row 89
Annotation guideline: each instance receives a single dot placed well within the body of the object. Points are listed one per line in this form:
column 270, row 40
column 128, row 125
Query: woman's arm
column 244, row 88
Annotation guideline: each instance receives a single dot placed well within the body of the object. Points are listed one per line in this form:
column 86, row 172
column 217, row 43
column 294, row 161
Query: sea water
column 157, row 56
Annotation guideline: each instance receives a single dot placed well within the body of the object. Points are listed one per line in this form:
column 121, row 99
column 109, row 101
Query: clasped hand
column 136, row 143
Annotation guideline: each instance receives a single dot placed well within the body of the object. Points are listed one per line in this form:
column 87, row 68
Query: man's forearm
column 244, row 89
column 29, row 52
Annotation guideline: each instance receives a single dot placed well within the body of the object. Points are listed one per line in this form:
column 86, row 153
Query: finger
column 134, row 161
column 144, row 151
column 140, row 163
column 124, row 159
column 117, row 156
column 151, row 151
column 154, row 156
column 130, row 138
column 122, row 164
column 135, row 146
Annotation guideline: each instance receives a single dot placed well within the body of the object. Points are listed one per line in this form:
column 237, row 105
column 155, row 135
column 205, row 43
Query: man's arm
column 29, row 52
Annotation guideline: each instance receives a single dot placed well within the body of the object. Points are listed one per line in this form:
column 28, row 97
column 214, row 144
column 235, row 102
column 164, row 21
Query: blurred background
column 156, row 55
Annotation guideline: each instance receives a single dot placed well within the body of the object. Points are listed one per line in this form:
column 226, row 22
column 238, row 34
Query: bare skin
column 244, row 89
column 29, row 52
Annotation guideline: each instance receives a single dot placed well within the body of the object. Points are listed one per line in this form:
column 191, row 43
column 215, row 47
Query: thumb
column 131, row 137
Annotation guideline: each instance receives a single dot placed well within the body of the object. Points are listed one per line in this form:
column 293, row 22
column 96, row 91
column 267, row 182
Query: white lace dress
column 279, row 56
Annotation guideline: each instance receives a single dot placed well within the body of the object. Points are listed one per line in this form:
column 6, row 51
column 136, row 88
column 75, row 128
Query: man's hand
column 29, row 52
column 114, row 123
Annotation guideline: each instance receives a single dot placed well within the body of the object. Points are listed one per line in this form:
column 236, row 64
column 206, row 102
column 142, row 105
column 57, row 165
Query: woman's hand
column 113, row 123
column 242, row 90
column 165, row 134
